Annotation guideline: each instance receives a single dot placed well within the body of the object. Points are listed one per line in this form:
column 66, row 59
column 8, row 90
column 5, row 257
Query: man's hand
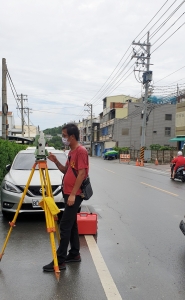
column 71, row 200
column 52, row 157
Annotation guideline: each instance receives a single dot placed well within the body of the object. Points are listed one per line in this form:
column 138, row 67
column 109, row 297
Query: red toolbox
column 87, row 223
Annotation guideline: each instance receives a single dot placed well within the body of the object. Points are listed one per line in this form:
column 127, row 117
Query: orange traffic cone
column 156, row 162
column 142, row 163
column 137, row 162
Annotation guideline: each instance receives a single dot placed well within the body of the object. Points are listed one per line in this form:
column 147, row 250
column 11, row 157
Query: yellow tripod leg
column 51, row 194
column 49, row 221
column 12, row 224
column 51, row 230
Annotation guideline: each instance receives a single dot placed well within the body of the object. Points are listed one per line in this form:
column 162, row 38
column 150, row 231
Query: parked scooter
column 179, row 174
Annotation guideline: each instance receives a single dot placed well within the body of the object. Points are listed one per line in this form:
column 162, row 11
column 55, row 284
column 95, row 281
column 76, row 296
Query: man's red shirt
column 78, row 159
column 178, row 161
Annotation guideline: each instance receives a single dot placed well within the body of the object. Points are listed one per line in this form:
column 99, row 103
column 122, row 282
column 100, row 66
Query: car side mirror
column 8, row 167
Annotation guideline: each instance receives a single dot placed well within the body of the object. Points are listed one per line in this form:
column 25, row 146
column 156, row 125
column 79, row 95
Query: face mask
column 65, row 141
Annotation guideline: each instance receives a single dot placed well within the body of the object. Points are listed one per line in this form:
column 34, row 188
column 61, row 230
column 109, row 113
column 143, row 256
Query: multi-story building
column 159, row 130
column 86, row 132
column 179, row 138
column 121, row 124
column 114, row 108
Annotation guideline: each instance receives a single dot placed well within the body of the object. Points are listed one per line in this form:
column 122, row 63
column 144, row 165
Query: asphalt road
column 141, row 248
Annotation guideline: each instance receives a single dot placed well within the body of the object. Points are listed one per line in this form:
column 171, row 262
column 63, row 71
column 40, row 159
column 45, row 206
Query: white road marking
column 106, row 279
column 109, row 170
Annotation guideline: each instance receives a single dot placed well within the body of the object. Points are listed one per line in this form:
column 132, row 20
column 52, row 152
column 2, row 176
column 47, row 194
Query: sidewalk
column 161, row 167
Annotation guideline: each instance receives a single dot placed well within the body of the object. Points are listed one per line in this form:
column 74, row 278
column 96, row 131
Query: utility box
column 147, row 76
column 87, row 223
column 147, row 155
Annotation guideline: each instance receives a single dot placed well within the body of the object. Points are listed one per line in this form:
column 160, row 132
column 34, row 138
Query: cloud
column 60, row 53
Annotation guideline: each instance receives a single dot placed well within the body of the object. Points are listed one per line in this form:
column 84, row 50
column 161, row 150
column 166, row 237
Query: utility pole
column 177, row 100
column 22, row 99
column 147, row 78
column 22, row 115
column 28, row 109
column 90, row 110
column 4, row 100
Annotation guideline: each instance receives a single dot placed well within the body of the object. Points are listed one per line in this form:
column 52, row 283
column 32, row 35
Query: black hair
column 72, row 129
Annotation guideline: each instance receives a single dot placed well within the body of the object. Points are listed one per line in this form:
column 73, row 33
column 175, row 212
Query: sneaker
column 50, row 267
column 71, row 258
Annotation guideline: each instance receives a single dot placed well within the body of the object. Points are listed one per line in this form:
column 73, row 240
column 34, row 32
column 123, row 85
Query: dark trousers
column 69, row 230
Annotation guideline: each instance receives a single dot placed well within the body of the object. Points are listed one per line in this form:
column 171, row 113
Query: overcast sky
column 59, row 53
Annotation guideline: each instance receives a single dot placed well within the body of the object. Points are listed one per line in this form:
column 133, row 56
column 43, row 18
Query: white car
column 15, row 180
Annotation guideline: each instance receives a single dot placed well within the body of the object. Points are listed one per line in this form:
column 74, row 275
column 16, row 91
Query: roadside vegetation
column 8, row 151
column 159, row 147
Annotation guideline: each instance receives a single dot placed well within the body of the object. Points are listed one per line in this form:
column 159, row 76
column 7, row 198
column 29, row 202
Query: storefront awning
column 178, row 139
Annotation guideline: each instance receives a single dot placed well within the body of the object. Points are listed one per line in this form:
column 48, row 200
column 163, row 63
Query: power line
column 167, row 29
column 167, row 19
column 168, row 38
column 170, row 74
column 100, row 90
column 11, row 84
column 151, row 20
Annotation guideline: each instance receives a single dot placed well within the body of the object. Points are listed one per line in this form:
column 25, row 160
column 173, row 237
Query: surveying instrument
column 47, row 203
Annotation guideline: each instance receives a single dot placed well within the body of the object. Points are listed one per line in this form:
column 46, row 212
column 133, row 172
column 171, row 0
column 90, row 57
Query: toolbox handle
column 83, row 214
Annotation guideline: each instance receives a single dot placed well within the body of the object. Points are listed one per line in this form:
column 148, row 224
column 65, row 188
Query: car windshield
column 25, row 161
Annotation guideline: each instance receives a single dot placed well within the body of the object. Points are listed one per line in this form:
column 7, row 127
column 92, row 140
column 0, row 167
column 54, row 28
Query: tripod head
column 40, row 153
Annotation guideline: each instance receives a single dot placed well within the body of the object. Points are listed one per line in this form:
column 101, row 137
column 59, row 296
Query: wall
column 119, row 98
column 110, row 144
column 33, row 131
column 122, row 112
column 164, row 156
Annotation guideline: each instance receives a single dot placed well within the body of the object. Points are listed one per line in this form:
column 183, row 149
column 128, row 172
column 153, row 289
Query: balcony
column 110, row 122
column 106, row 111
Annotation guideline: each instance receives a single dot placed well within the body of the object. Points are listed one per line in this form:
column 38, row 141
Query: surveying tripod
column 47, row 203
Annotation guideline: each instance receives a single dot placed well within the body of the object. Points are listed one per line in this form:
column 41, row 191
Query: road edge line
column 106, row 279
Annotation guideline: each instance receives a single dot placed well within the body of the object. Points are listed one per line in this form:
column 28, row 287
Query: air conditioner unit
column 110, row 135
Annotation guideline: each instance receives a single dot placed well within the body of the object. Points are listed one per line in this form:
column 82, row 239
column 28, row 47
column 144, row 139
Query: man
column 178, row 161
column 77, row 160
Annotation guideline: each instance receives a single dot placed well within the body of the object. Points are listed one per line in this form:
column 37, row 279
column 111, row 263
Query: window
column 168, row 117
column 125, row 131
column 167, row 131
column 154, row 131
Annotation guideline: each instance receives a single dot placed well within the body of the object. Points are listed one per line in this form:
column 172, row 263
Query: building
column 86, row 134
column 10, row 124
column 179, row 137
column 14, row 132
column 29, row 131
column 159, row 130
column 114, row 108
